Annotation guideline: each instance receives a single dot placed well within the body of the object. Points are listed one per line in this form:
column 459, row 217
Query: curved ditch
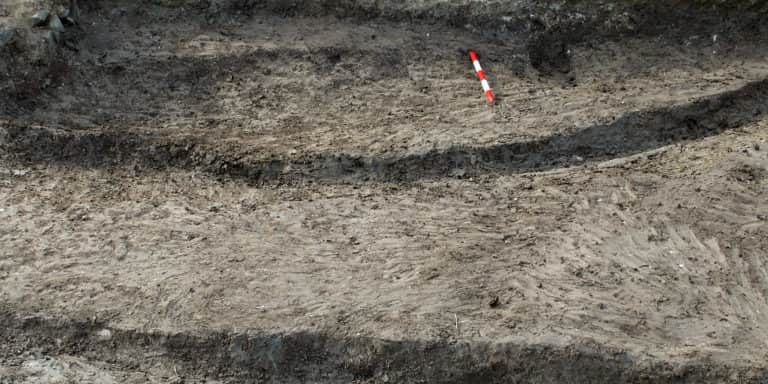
column 631, row 134
column 331, row 358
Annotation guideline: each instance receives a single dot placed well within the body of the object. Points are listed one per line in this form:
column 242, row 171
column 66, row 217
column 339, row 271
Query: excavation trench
column 331, row 358
column 329, row 278
column 626, row 136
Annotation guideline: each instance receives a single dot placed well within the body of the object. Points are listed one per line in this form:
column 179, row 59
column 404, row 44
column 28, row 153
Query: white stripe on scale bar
column 486, row 86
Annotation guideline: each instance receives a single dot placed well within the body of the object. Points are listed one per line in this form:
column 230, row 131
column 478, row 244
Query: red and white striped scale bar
column 483, row 80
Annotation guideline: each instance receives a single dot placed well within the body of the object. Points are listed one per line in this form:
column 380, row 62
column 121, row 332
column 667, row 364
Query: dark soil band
column 329, row 358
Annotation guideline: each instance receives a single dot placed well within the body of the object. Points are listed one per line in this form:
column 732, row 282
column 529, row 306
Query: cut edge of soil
column 631, row 134
column 571, row 19
column 327, row 357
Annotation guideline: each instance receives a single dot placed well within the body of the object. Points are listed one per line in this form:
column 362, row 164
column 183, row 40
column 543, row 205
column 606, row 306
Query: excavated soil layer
column 301, row 357
column 316, row 191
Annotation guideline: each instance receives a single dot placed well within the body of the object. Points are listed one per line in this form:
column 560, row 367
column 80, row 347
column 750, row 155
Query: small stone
column 70, row 16
column 68, row 21
column 104, row 334
column 40, row 18
column 73, row 12
column 53, row 37
column 494, row 303
column 55, row 24
column 757, row 147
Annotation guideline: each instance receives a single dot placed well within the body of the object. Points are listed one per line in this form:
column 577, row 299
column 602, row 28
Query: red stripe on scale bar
column 483, row 79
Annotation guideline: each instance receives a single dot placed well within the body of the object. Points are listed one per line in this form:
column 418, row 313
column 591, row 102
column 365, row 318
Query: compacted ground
column 264, row 193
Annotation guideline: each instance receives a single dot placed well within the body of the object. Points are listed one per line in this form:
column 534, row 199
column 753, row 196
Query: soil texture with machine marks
column 253, row 192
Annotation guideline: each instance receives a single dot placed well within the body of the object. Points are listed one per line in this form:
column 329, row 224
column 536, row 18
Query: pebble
column 104, row 334
column 56, row 29
column 68, row 21
column 55, row 24
column 40, row 18
column 53, row 37
column 70, row 16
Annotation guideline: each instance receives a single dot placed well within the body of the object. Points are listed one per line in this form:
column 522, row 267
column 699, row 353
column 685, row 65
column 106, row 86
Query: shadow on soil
column 631, row 134
column 326, row 358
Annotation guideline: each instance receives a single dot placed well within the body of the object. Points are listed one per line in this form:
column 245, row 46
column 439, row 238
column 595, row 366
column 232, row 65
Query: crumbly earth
column 191, row 195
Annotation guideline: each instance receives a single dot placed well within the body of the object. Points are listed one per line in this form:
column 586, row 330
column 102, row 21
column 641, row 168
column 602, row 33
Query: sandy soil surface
column 274, row 196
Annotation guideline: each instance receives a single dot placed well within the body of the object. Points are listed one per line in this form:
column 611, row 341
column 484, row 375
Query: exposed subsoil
column 249, row 192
